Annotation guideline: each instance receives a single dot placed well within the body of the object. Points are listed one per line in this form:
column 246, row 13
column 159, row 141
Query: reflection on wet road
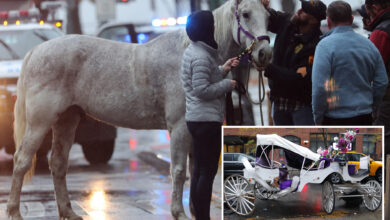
column 125, row 188
column 305, row 205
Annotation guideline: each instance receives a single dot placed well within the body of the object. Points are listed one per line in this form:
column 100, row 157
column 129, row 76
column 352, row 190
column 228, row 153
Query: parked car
column 18, row 36
column 353, row 157
column 232, row 163
column 138, row 33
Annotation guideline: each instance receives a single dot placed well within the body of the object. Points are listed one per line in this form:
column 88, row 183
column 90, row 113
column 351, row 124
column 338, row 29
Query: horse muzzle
column 264, row 56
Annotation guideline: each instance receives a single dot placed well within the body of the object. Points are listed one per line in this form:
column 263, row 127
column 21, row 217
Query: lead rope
column 261, row 90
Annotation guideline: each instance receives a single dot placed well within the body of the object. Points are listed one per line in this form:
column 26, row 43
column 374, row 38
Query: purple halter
column 240, row 28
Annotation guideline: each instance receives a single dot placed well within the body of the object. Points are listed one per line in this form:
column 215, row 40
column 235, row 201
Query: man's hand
column 234, row 83
column 302, row 71
column 265, row 3
column 230, row 63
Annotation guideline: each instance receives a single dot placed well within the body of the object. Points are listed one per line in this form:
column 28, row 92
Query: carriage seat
column 324, row 163
column 360, row 173
column 261, row 161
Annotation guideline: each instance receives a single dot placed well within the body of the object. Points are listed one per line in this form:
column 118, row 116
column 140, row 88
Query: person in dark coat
column 289, row 73
column 379, row 11
column 365, row 17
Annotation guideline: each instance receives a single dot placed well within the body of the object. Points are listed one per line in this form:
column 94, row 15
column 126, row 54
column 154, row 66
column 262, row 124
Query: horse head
column 250, row 29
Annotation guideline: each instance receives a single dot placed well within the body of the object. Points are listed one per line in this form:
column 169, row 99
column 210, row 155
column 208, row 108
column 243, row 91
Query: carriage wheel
column 239, row 195
column 262, row 192
column 328, row 197
column 373, row 197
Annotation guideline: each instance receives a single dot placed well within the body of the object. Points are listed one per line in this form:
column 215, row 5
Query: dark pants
column 358, row 120
column 302, row 116
column 206, row 138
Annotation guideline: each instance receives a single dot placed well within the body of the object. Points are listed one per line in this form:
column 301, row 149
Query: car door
column 240, row 166
column 228, row 164
column 354, row 159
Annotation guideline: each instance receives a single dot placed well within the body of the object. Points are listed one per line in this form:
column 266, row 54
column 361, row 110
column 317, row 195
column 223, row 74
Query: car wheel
column 98, row 152
column 10, row 148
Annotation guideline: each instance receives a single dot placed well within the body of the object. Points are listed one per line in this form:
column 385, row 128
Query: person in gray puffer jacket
column 205, row 87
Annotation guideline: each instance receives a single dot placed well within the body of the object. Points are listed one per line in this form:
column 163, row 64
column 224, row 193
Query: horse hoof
column 182, row 216
column 75, row 217
column 15, row 217
column 13, row 213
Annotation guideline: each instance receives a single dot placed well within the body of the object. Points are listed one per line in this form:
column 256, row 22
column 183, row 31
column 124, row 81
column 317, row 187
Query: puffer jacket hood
column 200, row 27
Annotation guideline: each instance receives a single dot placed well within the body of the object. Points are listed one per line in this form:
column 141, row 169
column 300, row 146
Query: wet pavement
column 305, row 205
column 126, row 188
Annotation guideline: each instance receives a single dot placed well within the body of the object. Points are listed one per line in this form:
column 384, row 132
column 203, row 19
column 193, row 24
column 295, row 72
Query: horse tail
column 20, row 114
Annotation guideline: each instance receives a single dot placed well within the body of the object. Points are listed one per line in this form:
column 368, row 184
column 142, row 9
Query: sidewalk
column 158, row 155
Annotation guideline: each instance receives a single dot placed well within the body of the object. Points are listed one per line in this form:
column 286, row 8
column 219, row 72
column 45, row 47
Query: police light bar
column 21, row 14
column 169, row 21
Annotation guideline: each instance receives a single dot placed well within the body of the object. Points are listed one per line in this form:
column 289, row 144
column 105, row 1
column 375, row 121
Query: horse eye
column 245, row 15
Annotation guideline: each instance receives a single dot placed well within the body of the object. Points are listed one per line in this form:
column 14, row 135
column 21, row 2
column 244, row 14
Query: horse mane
column 223, row 23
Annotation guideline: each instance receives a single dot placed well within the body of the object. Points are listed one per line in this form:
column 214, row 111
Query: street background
column 126, row 188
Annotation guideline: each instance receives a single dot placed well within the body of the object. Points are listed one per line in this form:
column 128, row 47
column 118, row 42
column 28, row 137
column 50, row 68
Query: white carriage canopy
column 294, row 153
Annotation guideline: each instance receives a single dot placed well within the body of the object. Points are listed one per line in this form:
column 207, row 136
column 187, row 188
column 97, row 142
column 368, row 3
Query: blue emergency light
column 142, row 38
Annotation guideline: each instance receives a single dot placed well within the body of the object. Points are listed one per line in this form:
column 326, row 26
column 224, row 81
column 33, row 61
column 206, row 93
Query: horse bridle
column 254, row 39
column 248, row 51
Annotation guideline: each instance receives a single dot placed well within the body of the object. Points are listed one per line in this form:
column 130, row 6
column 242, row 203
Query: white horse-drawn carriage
column 270, row 179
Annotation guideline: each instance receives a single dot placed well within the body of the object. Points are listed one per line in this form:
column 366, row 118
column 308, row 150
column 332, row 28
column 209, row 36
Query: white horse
column 128, row 85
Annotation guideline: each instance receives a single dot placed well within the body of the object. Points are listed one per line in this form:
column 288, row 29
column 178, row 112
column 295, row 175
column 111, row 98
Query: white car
column 15, row 42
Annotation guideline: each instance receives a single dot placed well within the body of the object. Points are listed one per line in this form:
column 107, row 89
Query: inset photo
column 303, row 172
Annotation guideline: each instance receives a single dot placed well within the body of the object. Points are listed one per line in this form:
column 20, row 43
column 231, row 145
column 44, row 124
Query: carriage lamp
column 5, row 23
column 41, row 22
column 305, row 141
column 17, row 22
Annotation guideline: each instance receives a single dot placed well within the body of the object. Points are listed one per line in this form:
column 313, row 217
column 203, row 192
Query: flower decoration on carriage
column 343, row 145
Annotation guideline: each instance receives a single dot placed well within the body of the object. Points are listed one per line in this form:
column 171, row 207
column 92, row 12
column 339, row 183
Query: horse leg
column 180, row 144
column 22, row 163
column 63, row 136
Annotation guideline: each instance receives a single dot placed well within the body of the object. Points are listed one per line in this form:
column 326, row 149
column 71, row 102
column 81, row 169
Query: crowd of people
column 336, row 78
